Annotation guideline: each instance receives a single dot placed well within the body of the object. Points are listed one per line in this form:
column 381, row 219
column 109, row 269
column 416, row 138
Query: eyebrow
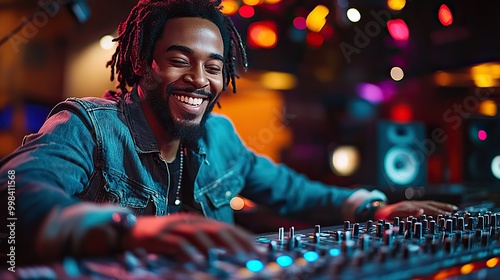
column 185, row 49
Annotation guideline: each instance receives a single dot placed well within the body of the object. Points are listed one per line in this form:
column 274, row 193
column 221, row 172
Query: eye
column 179, row 62
column 213, row 69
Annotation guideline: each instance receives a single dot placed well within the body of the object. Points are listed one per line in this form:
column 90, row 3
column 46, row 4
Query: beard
column 187, row 132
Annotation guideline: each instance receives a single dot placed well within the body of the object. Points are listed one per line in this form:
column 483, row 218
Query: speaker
column 400, row 161
column 481, row 146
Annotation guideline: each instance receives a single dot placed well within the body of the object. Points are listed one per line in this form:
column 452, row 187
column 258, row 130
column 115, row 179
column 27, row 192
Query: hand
column 414, row 208
column 187, row 237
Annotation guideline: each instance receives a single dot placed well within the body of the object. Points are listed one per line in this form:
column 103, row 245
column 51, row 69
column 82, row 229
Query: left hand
column 414, row 208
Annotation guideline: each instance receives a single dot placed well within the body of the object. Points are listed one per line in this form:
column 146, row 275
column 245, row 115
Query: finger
column 445, row 206
column 190, row 253
column 431, row 210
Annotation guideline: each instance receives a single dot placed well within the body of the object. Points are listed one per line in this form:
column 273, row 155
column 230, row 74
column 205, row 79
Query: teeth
column 189, row 100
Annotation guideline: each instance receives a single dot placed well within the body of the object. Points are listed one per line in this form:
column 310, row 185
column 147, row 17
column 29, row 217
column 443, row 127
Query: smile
column 193, row 101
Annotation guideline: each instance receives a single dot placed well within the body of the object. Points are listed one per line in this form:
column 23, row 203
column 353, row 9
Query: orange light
column 263, row 34
column 445, row 16
column 229, row 7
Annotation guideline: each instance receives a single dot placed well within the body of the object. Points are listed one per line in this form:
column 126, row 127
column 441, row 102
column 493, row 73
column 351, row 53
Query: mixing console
column 465, row 245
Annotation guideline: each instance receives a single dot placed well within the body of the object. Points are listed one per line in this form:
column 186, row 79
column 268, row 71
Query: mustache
column 202, row 92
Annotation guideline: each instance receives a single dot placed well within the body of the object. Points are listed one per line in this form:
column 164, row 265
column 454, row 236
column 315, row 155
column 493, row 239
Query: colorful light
column 317, row 18
column 229, row 7
column 445, row 16
column 370, row 92
column 488, row 108
column 247, row 11
column 401, row 113
column 251, row 2
column 263, row 34
column 314, row 39
column 300, row 23
column 396, row 5
column 482, row 135
column 237, row 203
column 107, row 43
column 397, row 74
column 398, row 29
column 345, row 160
column 353, row 15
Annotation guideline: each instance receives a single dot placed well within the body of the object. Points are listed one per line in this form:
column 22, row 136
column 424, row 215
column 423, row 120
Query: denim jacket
column 104, row 150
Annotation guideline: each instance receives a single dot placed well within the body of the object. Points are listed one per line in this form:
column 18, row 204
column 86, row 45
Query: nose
column 197, row 77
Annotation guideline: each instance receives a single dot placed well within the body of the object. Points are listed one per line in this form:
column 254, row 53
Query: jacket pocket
column 219, row 195
column 127, row 193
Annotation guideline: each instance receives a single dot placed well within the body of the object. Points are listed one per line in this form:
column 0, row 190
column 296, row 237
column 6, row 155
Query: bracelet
column 122, row 223
column 367, row 211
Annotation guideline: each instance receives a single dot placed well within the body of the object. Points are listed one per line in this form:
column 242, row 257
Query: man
column 155, row 151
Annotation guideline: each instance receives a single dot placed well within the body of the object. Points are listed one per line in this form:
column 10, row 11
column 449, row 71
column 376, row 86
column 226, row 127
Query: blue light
column 311, row 256
column 255, row 265
column 284, row 261
column 334, row 252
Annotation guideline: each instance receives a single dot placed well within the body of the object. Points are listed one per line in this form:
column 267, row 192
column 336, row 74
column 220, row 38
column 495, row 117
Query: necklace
column 177, row 201
column 177, row 192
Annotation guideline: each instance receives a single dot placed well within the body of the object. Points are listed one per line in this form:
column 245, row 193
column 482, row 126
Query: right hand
column 188, row 237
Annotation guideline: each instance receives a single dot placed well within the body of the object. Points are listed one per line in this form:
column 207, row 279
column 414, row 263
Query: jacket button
column 228, row 194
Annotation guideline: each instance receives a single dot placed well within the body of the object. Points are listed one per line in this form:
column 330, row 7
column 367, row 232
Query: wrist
column 367, row 211
column 122, row 224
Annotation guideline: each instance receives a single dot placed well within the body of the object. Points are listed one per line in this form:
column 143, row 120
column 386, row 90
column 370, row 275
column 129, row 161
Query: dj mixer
column 465, row 245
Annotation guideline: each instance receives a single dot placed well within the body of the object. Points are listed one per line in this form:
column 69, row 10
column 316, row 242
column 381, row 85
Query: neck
column 167, row 145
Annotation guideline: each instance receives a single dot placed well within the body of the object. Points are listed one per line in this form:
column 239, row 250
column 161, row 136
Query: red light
column 398, row 29
column 247, row 12
column 314, row 39
column 445, row 16
column 402, row 113
column 482, row 135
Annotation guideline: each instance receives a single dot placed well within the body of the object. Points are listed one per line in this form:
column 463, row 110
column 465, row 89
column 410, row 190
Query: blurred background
column 399, row 95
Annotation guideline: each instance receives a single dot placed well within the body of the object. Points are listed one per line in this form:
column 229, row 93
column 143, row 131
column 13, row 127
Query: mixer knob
column 291, row 233
column 401, row 229
column 346, row 247
column 449, row 226
column 347, row 225
column 487, row 220
column 380, row 229
column 442, row 224
column 281, row 234
column 418, row 230
column 466, row 216
column 460, row 223
column 432, row 227
column 423, row 217
column 317, row 229
column 369, row 225
column 396, row 221
column 480, row 222
column 455, row 222
column 493, row 220
column 430, row 218
column 387, row 237
column 355, row 230
column 470, row 223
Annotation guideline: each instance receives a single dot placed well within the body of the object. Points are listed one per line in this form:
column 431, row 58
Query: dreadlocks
column 144, row 26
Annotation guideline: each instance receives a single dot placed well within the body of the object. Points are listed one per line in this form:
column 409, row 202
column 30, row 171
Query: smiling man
column 150, row 167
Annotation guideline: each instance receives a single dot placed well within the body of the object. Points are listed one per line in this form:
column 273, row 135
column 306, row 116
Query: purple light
column 482, row 135
column 299, row 23
column 370, row 92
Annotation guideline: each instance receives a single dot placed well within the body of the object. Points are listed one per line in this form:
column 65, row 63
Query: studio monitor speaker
column 400, row 160
column 481, row 150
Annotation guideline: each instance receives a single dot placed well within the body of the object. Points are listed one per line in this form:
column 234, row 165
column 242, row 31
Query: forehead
column 195, row 33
